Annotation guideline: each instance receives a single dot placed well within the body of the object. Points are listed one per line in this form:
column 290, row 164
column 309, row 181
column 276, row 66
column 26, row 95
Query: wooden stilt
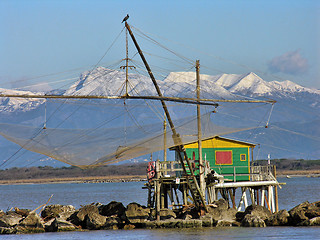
column 252, row 196
column 267, row 203
column 272, row 199
column 209, row 195
column 158, row 196
column 170, row 193
column 176, row 194
column 262, row 196
column 216, row 191
column 232, row 197
column 185, row 197
column 243, row 199
column 276, row 188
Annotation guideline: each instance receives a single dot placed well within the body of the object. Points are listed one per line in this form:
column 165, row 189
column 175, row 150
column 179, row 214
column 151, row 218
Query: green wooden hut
column 228, row 157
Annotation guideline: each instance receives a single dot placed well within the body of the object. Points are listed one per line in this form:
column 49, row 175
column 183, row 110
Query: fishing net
column 93, row 147
column 88, row 132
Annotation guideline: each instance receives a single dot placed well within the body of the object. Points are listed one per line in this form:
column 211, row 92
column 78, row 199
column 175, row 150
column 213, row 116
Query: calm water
column 297, row 190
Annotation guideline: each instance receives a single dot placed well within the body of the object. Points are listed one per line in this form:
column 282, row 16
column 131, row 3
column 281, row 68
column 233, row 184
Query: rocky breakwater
column 56, row 218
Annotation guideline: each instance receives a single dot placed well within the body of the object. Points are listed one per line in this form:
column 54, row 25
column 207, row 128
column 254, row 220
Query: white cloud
column 290, row 62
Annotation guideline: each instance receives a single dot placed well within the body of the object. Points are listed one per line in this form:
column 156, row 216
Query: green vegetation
column 290, row 164
column 70, row 172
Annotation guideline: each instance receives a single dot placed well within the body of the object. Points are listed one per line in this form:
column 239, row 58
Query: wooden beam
column 159, row 98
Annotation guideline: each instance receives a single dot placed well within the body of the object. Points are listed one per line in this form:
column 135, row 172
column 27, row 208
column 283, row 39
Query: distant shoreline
column 91, row 179
column 298, row 173
column 134, row 178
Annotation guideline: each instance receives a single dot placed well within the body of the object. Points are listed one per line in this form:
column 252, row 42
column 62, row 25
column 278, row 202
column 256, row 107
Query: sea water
column 31, row 196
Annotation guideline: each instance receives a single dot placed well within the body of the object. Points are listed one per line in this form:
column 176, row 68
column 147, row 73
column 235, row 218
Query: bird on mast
column 125, row 18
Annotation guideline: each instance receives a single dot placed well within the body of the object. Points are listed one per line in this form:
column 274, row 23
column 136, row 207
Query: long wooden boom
column 162, row 98
column 211, row 102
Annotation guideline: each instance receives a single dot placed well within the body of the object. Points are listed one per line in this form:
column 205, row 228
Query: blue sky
column 278, row 40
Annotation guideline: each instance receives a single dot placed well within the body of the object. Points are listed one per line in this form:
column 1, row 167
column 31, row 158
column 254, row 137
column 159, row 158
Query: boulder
column 136, row 213
column 113, row 222
column 228, row 215
column 303, row 212
column 7, row 230
column 33, row 220
column 27, row 230
column 59, row 225
column 315, row 221
column 250, row 220
column 222, row 223
column 78, row 217
column 239, row 216
column 57, row 211
column 166, row 213
column 188, row 212
column 221, row 204
column 280, row 218
column 259, row 211
column 310, row 222
column 129, row 227
column 208, row 221
column 22, row 212
column 94, row 221
column 113, row 208
column 220, row 211
column 317, row 204
column 10, row 220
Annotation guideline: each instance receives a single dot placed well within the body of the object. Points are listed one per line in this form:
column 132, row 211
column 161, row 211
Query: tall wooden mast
column 201, row 163
column 185, row 163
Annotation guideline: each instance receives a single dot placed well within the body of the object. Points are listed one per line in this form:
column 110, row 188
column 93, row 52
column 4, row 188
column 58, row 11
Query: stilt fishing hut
column 227, row 167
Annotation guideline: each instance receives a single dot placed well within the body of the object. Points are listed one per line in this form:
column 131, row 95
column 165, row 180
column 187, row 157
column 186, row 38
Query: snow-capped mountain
column 9, row 105
column 294, row 125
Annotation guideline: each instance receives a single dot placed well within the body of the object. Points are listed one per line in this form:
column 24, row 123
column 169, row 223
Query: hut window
column 223, row 157
column 243, row 157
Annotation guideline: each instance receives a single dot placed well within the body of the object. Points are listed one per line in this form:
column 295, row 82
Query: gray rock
column 208, row 221
column 10, row 220
column 136, row 213
column 59, row 225
column 303, row 212
column 33, row 220
column 250, row 220
column 229, row 215
column 112, row 208
column 27, row 230
column 22, row 212
column 78, row 217
column 167, row 214
column 221, row 212
column 280, row 218
column 259, row 211
column 189, row 212
column 57, row 211
column 7, row 230
column 222, row 223
column 94, row 221
column 113, row 222
column 221, row 204
column 315, row 221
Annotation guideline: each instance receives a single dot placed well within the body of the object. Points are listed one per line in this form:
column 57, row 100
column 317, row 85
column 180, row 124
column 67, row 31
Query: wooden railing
column 257, row 173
